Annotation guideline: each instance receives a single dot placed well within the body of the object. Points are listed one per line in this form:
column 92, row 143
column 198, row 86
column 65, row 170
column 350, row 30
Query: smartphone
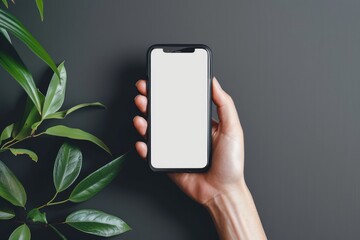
column 179, row 107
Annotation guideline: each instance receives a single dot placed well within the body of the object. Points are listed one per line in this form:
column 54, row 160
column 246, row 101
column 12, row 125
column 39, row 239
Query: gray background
column 292, row 68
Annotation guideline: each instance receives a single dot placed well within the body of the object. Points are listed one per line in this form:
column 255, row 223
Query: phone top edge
column 156, row 46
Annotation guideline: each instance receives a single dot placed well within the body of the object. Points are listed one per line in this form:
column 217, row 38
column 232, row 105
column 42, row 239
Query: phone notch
column 178, row 49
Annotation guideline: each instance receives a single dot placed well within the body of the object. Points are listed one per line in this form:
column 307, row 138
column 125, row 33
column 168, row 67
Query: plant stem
column 51, row 202
column 58, row 223
column 38, row 135
column 11, row 143
column 57, row 203
column 53, row 198
column 12, row 140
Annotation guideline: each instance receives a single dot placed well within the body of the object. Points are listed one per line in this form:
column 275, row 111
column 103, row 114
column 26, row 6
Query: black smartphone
column 179, row 107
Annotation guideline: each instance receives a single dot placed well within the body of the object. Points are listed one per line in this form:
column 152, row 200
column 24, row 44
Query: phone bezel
column 209, row 111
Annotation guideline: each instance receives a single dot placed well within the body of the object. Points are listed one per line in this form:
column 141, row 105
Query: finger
column 141, row 86
column 226, row 109
column 176, row 177
column 141, row 148
column 141, row 103
column 141, row 125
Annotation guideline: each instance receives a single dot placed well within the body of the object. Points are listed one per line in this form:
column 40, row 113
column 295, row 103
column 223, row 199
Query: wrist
column 236, row 191
column 234, row 214
column 228, row 197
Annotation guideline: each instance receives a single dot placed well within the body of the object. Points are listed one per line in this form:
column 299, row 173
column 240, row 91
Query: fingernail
column 217, row 82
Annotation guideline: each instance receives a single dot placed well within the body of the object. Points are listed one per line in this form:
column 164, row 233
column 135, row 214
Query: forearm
column 235, row 215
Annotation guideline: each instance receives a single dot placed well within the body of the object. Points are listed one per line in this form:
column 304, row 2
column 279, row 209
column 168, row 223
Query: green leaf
column 10, row 187
column 75, row 133
column 12, row 63
column 6, row 214
column 23, row 128
column 5, row 3
column 97, row 223
column 36, row 216
column 63, row 114
column 96, row 181
column 55, row 95
column 20, row 151
column 6, row 133
column 40, row 5
column 62, row 237
column 67, row 166
column 6, row 34
column 14, row 26
column 21, row 233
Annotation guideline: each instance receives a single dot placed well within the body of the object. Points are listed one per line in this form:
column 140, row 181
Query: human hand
column 226, row 174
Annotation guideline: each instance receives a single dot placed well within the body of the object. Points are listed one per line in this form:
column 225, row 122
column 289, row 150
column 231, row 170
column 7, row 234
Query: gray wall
column 292, row 68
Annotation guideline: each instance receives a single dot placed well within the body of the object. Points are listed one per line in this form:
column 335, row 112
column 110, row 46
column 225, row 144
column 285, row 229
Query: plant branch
column 16, row 142
column 58, row 223
column 12, row 142
column 53, row 198
column 51, row 201
column 57, row 203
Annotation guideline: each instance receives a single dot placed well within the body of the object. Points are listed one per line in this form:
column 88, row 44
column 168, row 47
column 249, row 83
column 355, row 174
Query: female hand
column 227, row 170
column 222, row 190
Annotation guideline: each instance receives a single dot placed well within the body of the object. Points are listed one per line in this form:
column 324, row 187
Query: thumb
column 226, row 109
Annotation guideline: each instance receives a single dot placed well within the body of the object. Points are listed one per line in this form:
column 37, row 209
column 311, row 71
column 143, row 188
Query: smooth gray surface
column 292, row 68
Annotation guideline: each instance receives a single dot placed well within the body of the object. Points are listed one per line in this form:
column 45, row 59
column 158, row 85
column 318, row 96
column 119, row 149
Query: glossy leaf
column 63, row 114
column 14, row 26
column 10, row 187
column 6, row 133
column 6, row 34
column 21, row 233
column 67, row 166
column 30, row 116
column 96, row 181
column 55, row 95
column 75, row 133
column 6, row 214
column 40, row 6
column 20, row 151
column 12, row 63
column 36, row 216
column 62, row 237
column 97, row 223
column 5, row 3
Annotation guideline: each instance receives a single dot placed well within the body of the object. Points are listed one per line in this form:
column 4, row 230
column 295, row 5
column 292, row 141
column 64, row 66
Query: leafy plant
column 38, row 108
column 66, row 170
column 39, row 4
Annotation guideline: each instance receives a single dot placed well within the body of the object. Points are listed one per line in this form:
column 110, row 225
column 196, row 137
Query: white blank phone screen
column 179, row 109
